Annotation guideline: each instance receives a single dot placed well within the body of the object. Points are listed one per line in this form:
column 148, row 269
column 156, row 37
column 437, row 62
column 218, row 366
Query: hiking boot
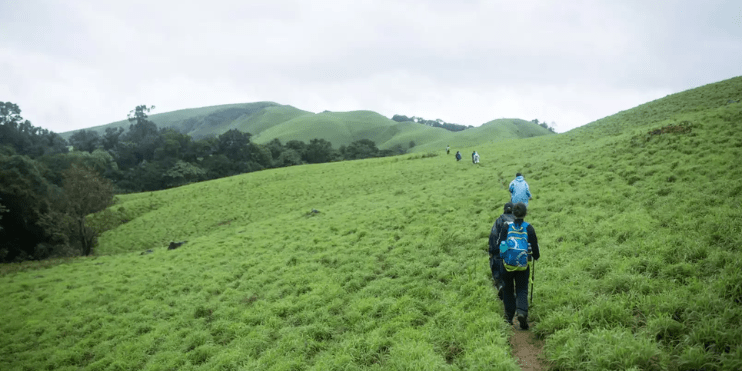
column 522, row 320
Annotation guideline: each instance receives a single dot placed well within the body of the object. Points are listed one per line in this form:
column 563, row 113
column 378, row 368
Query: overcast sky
column 75, row 64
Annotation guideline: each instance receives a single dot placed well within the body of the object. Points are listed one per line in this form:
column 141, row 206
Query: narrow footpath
column 527, row 348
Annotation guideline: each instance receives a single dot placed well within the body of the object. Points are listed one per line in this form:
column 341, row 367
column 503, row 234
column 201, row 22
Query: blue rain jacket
column 519, row 191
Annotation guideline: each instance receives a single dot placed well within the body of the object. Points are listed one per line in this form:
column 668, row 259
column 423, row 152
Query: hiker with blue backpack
column 518, row 250
column 519, row 191
column 494, row 248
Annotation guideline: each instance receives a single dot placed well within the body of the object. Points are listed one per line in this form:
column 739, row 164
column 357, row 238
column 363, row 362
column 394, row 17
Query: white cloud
column 78, row 64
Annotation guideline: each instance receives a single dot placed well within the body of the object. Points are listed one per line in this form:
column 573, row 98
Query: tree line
column 545, row 125
column 438, row 123
column 48, row 188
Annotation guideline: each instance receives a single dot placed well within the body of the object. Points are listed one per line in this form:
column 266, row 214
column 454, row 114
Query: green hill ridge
column 637, row 217
column 267, row 121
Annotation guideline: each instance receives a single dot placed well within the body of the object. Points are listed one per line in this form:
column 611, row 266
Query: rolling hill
column 382, row 263
column 215, row 120
column 267, row 121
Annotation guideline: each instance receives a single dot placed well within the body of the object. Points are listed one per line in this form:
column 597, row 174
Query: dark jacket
column 495, row 233
column 531, row 238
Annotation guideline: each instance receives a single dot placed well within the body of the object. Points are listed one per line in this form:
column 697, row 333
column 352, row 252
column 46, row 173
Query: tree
column 10, row 114
column 85, row 140
column 401, row 118
column 3, row 209
column 111, row 138
column 218, row 166
column 359, row 149
column 25, row 138
column 85, row 192
column 139, row 114
column 99, row 160
column 141, row 141
column 275, row 147
column 318, row 151
column 175, row 146
column 183, row 173
column 24, row 192
column 260, row 155
column 234, row 145
column 298, row 146
column 289, row 157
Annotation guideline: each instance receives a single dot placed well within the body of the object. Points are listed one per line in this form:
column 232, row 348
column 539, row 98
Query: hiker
column 494, row 250
column 476, row 157
column 519, row 191
column 516, row 279
column 458, row 155
column 448, row 149
column 472, row 156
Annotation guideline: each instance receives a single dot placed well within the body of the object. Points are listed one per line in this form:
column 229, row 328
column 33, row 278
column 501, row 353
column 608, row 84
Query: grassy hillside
column 640, row 243
column 492, row 131
column 343, row 128
column 267, row 121
column 215, row 120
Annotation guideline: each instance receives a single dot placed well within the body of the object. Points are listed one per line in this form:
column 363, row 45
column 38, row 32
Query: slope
column 267, row 121
column 343, row 128
column 215, row 120
column 639, row 270
column 491, row 131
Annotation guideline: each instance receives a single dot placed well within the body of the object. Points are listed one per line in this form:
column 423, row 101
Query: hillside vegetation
column 637, row 215
column 267, row 121
column 215, row 120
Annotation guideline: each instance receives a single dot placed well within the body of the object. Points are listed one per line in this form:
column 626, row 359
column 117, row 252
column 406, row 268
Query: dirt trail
column 526, row 348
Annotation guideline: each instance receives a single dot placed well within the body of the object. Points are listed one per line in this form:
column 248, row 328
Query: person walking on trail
column 475, row 158
column 448, row 149
column 472, row 156
column 458, row 155
column 515, row 278
column 519, row 191
column 494, row 248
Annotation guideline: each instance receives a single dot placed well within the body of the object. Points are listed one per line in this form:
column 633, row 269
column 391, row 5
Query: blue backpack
column 514, row 250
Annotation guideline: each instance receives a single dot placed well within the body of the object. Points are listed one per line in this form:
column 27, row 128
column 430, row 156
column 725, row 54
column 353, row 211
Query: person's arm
column 533, row 240
column 493, row 250
column 528, row 191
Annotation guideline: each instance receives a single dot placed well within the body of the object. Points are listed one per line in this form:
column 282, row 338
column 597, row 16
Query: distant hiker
column 448, row 149
column 519, row 191
column 476, row 157
column 472, row 156
column 516, row 265
column 494, row 248
column 458, row 155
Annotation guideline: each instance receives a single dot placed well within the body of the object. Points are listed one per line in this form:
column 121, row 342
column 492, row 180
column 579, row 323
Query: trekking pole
column 533, row 274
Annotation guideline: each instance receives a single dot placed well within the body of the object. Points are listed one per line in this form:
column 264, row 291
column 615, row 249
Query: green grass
column 640, row 240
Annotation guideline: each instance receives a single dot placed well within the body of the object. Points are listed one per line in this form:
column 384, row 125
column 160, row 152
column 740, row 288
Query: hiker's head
column 508, row 208
column 519, row 210
column 518, row 174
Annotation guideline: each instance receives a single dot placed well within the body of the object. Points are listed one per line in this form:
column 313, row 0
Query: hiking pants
column 520, row 302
